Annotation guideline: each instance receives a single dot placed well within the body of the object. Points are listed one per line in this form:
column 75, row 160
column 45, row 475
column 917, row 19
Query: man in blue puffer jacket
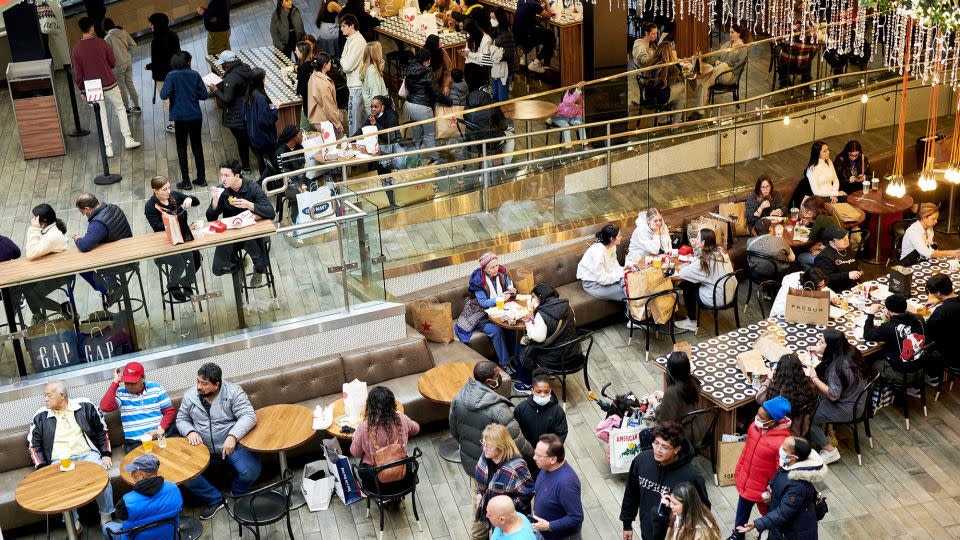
column 151, row 500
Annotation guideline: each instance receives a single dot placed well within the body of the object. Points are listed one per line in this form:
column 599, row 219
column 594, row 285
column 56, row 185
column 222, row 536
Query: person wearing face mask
column 540, row 413
column 758, row 460
column 837, row 261
column 791, row 494
column 477, row 405
column 651, row 237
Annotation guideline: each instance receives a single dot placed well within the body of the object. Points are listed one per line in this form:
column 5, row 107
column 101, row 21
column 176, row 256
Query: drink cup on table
column 875, row 184
column 794, row 215
column 500, row 302
column 65, row 464
column 147, row 441
column 162, row 441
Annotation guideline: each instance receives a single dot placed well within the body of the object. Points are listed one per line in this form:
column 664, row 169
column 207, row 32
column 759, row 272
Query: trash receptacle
column 35, row 108
column 938, row 150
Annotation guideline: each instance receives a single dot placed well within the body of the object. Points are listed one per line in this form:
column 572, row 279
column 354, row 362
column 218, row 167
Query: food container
column 218, row 226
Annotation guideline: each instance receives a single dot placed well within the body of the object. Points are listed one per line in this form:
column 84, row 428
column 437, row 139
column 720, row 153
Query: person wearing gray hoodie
column 477, row 405
column 651, row 237
column 217, row 414
column 122, row 43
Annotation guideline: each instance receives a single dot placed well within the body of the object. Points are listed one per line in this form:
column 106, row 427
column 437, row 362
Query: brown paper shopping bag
column 646, row 282
column 433, row 319
column 770, row 347
column 727, row 456
column 808, row 307
column 523, row 281
column 737, row 212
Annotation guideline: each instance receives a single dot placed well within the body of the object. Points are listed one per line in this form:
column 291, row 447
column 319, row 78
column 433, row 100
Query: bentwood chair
column 764, row 271
column 709, row 439
column 719, row 301
column 572, row 359
column 262, row 507
column 647, row 323
column 386, row 493
column 863, row 417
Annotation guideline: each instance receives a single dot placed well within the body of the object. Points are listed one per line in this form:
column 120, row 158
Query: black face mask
column 497, row 384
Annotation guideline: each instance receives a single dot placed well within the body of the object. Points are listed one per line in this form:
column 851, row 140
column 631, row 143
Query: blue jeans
column 501, row 91
column 243, row 461
column 562, row 122
column 498, row 336
column 744, row 507
column 805, row 259
column 104, row 499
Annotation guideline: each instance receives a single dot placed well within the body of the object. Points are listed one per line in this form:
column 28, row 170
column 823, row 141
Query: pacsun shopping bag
column 433, row 319
column 808, row 307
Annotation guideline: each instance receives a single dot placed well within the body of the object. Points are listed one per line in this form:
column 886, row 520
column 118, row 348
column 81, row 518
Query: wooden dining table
column 440, row 384
column 280, row 428
column 878, row 204
column 527, row 111
column 52, row 491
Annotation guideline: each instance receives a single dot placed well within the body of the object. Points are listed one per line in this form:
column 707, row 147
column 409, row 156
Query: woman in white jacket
column 599, row 272
column 811, row 279
column 700, row 277
column 651, row 237
column 821, row 174
column 478, row 55
column 46, row 234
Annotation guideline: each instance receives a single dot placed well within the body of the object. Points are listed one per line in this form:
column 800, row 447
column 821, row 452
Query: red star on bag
column 426, row 326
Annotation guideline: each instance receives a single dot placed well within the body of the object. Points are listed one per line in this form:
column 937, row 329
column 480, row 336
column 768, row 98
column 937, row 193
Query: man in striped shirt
column 145, row 407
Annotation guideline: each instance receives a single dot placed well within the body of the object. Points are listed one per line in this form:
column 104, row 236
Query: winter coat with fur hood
column 792, row 514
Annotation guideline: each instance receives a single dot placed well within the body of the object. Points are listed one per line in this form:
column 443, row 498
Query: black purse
column 820, row 506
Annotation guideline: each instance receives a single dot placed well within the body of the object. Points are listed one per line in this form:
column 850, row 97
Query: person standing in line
column 371, row 75
column 286, row 27
column 185, row 89
column 351, row 61
column 260, row 117
column 321, row 105
column 93, row 58
column 328, row 38
column 304, row 55
column 122, row 43
column 557, row 509
column 231, row 91
column 216, row 21
column 163, row 46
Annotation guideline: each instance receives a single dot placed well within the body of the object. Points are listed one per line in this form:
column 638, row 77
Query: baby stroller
column 623, row 411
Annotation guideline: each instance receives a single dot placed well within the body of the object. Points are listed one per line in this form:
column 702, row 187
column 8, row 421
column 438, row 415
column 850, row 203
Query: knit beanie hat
column 486, row 258
column 778, row 408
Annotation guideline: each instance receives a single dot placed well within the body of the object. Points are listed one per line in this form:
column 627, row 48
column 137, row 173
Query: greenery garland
column 942, row 13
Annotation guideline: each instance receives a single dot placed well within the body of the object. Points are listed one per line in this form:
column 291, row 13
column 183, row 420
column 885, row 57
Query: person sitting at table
column 764, row 201
column 898, row 332
column 599, row 272
column 790, row 380
column 487, row 283
column 551, row 323
column 290, row 140
column 811, row 279
column 944, row 320
column 651, row 237
column 72, row 429
column 217, row 414
column 183, row 271
column 540, row 414
column 152, row 499
column 821, row 173
column 836, row 261
column 145, row 407
column 838, row 378
column 917, row 244
column 530, row 34
column 233, row 196
column 501, row 470
column 815, row 215
column 645, row 46
column 380, row 427
column 796, row 58
column 665, row 88
column 764, row 242
column 735, row 54
column 105, row 223
column 681, row 395
column 852, row 167
column 46, row 234
column 699, row 278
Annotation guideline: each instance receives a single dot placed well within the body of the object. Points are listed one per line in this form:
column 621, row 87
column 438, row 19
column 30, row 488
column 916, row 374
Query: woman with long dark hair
column 304, row 55
column 681, row 396
column 690, row 519
column 551, row 323
column 821, row 174
column 852, row 167
column 599, row 271
column 839, row 378
column 790, row 381
column 328, row 38
column 260, row 116
column 764, row 201
column 321, row 104
column 700, row 277
column 47, row 234
column 479, row 54
column 506, row 63
column 381, row 426
column 182, row 266
column 286, row 26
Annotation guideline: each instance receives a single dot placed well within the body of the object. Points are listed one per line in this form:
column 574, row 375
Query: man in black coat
column 898, row 327
column 837, row 261
column 669, row 463
column 163, row 46
column 941, row 324
column 230, row 92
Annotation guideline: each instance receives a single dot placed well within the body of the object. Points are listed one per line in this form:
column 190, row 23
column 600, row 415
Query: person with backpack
column 902, row 334
column 163, row 46
column 381, row 428
column 231, row 91
column 487, row 123
column 122, row 43
column 260, row 117
column 791, row 494
column 185, row 89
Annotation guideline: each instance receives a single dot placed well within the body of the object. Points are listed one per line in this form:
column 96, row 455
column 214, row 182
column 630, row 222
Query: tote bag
column 433, row 319
column 808, row 307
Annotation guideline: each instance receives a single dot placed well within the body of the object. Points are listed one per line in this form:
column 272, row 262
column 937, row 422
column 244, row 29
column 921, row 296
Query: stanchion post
column 77, row 130
column 106, row 178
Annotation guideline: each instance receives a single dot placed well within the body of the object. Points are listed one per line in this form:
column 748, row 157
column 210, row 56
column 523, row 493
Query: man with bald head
column 507, row 523
column 71, row 428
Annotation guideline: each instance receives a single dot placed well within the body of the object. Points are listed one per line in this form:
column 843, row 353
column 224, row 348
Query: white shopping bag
column 425, row 24
column 317, row 485
column 624, row 447
column 307, row 199
column 354, row 398
column 369, row 143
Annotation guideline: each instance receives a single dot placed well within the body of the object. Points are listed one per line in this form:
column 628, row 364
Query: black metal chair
column 864, row 417
column 384, row 494
column 761, row 270
column 166, row 296
column 648, row 324
column 897, row 230
column 719, row 304
column 709, row 440
column 262, row 507
column 166, row 526
column 124, row 278
column 732, row 87
column 949, row 370
column 570, row 364
column 864, row 240
column 268, row 279
column 914, row 374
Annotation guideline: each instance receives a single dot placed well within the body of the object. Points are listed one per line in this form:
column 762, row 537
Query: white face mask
column 494, row 23
column 541, row 400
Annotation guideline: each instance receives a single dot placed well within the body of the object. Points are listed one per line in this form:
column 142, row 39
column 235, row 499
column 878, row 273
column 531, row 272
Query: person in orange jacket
column 758, row 461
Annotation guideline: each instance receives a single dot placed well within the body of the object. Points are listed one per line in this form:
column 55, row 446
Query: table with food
column 280, row 84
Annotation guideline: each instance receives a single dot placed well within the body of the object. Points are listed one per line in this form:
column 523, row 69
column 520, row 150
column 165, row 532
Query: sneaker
column 210, row 510
column 108, row 150
column 687, row 324
column 184, row 185
column 830, row 457
column 256, row 280
column 508, row 369
column 170, row 128
column 246, row 171
column 522, row 389
column 536, row 66
column 913, row 391
column 131, row 143
column 200, row 182
column 133, row 110
column 932, row 381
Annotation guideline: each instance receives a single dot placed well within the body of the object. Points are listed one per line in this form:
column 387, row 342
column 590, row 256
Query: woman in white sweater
column 821, row 174
column 700, row 277
column 811, row 279
column 599, row 272
column 918, row 238
column 651, row 237
column 46, row 234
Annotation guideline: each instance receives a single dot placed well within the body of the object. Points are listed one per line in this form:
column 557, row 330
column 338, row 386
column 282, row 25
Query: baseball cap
column 146, row 462
column 132, row 372
column 835, row 233
column 226, row 56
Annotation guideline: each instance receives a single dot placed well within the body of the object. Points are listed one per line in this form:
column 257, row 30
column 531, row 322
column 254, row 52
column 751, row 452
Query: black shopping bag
column 901, row 281
column 52, row 345
column 104, row 336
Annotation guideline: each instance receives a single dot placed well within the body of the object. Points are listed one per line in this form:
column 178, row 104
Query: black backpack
column 340, row 82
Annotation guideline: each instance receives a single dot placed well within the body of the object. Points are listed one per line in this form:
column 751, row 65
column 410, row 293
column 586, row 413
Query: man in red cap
column 145, row 407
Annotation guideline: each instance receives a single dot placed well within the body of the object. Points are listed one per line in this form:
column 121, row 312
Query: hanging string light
column 896, row 188
column 928, row 180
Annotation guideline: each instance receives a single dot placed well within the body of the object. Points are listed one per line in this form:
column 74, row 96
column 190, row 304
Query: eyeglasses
column 663, row 447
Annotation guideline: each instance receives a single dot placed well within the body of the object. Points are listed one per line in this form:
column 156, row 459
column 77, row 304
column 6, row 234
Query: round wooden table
column 528, row 111
column 875, row 203
column 788, row 231
column 441, row 384
column 52, row 491
column 338, row 411
column 280, row 428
